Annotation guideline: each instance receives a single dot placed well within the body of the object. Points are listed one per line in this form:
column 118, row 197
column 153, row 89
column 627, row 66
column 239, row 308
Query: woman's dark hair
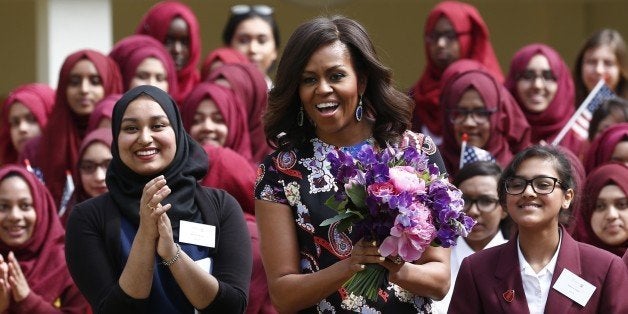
column 603, row 37
column 389, row 109
column 478, row 168
column 561, row 163
column 615, row 106
column 235, row 19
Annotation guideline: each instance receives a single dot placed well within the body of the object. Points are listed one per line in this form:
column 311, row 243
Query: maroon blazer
column 486, row 277
column 626, row 258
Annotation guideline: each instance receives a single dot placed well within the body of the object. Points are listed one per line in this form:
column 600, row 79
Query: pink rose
column 405, row 179
column 381, row 189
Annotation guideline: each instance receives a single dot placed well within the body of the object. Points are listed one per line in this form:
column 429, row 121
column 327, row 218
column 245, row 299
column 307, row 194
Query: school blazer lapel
column 569, row 258
column 509, row 287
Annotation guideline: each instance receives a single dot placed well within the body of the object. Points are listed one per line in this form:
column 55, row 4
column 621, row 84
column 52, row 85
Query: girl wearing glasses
column 453, row 31
column 476, row 104
column 252, row 30
column 541, row 83
column 534, row 270
column 94, row 158
column 603, row 219
column 478, row 183
column 175, row 25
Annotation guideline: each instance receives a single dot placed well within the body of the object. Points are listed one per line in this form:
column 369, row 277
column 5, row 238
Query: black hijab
column 189, row 165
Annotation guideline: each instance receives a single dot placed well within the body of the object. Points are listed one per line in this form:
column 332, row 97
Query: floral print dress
column 301, row 179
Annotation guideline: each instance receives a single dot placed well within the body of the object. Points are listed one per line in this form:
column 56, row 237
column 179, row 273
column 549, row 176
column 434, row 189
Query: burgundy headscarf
column 250, row 85
column 39, row 99
column 59, row 143
column 229, row 171
column 226, row 55
column 101, row 135
column 606, row 174
column 232, row 111
column 547, row 124
column 42, row 257
column 129, row 52
column 156, row 23
column 103, row 110
column 509, row 130
column 602, row 147
column 475, row 45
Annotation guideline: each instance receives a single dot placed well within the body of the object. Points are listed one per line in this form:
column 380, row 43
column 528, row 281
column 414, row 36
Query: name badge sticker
column 574, row 287
column 197, row 234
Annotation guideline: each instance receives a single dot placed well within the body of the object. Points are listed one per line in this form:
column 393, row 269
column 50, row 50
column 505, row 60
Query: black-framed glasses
column 480, row 116
column 449, row 36
column 540, row 185
column 261, row 9
column 484, row 203
column 531, row 76
column 89, row 167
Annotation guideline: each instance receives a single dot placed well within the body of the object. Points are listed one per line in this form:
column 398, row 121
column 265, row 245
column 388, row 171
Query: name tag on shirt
column 197, row 234
column 574, row 287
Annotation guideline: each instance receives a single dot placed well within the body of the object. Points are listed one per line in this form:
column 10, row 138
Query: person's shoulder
column 595, row 256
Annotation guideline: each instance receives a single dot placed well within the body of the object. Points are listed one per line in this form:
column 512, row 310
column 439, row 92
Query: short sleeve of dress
column 425, row 144
column 268, row 181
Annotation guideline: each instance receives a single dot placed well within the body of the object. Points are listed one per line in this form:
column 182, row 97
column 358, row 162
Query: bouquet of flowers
column 396, row 198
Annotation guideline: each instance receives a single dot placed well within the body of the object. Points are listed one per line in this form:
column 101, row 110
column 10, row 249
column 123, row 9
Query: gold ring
column 150, row 207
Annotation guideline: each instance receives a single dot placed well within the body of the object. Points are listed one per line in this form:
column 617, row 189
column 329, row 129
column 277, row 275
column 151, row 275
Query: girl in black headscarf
column 158, row 242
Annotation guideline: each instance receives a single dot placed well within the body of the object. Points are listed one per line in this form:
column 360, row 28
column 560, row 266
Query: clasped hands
column 153, row 218
column 13, row 284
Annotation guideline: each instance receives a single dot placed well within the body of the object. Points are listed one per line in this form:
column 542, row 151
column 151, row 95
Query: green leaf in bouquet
column 357, row 194
column 333, row 203
column 340, row 217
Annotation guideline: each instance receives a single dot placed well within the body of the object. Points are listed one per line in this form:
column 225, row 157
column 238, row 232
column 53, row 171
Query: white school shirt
column 536, row 285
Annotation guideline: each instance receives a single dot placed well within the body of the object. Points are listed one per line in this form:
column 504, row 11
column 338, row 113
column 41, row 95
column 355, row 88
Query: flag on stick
column 579, row 122
column 470, row 153
column 68, row 190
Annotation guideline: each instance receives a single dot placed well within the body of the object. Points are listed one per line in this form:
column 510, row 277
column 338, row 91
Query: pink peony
column 381, row 189
column 410, row 236
column 405, row 179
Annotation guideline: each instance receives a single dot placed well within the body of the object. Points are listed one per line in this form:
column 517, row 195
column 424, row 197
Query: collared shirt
column 536, row 285
column 458, row 253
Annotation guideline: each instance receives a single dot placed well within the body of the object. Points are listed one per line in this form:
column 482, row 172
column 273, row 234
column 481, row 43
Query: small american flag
column 471, row 154
column 68, row 190
column 579, row 122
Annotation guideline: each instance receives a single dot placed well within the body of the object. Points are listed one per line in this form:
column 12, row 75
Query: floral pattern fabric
column 301, row 179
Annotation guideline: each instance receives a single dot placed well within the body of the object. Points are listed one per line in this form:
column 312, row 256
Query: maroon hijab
column 156, row 23
column 102, row 135
column 42, row 257
column 602, row 147
column 39, row 99
column 229, row 171
column 474, row 44
column 103, row 110
column 249, row 84
column 509, row 130
column 60, row 140
column 226, row 55
column 129, row 52
column 232, row 112
column 547, row 124
column 606, row 174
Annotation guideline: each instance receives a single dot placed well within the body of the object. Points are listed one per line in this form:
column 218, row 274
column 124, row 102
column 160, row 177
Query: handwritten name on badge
column 574, row 287
column 197, row 234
